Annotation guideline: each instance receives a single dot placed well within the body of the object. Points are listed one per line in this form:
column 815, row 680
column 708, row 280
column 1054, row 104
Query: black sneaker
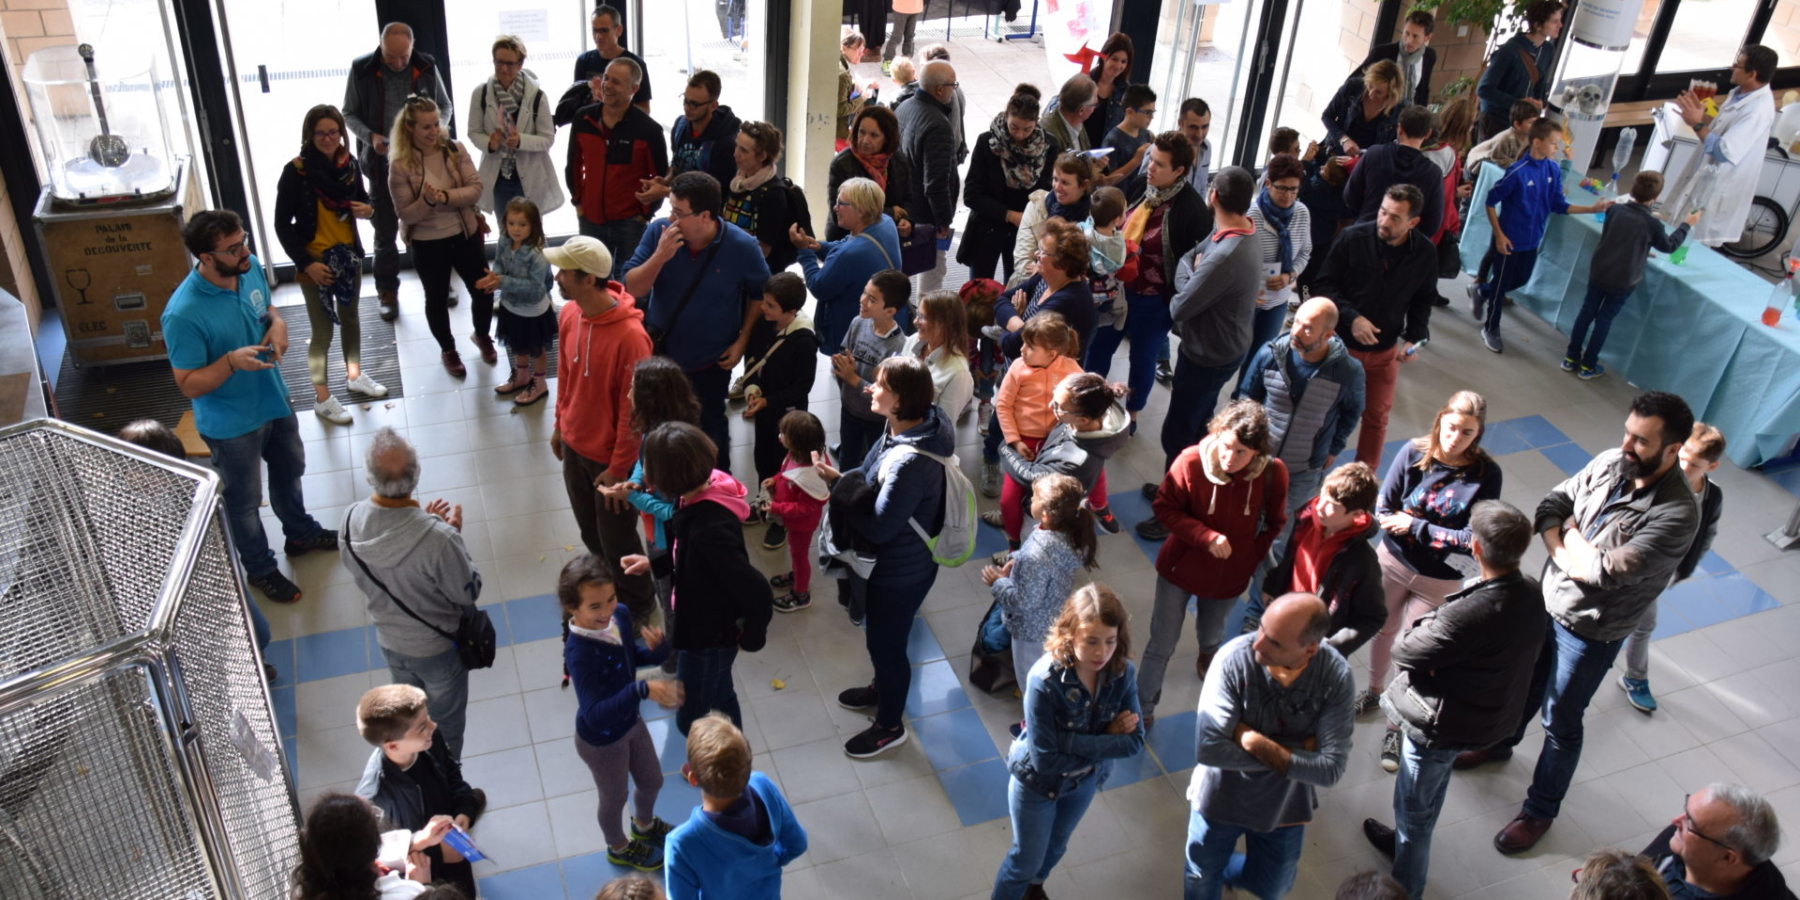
column 782, row 582
column 1152, row 530
column 1165, row 371
column 859, row 698
column 1108, row 522
column 1380, row 836
column 1149, row 492
column 1016, row 729
column 637, row 855
column 1367, row 702
column 793, row 601
column 1390, row 751
column 326, row 539
column 776, row 537
column 269, row 673
column 875, row 741
column 275, row 586
column 655, row 834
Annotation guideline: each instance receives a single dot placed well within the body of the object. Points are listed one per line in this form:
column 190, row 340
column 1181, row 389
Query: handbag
column 918, row 251
column 659, row 337
column 474, row 639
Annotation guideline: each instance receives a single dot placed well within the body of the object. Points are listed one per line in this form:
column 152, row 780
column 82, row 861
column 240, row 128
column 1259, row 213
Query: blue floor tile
column 1499, row 440
column 1699, row 605
column 1739, row 596
column 1537, row 431
column 934, row 690
column 534, row 618
column 1713, row 564
column 583, row 876
column 287, row 715
column 676, row 802
column 280, row 654
column 978, row 792
column 502, row 628
column 330, row 654
column 1789, row 480
column 1130, row 508
column 1388, row 451
column 671, row 746
column 921, row 645
column 1669, row 621
column 539, row 882
column 1132, row 769
column 988, row 541
column 650, row 710
column 1570, row 458
column 954, row 739
column 1172, row 739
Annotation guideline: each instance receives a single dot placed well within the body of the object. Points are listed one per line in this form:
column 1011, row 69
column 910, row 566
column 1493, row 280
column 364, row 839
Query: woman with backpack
column 900, row 487
column 760, row 201
column 513, row 123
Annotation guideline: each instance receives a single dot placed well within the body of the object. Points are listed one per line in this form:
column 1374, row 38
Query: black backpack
column 797, row 208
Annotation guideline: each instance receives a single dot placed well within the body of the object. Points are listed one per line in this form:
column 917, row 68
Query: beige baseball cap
column 584, row 253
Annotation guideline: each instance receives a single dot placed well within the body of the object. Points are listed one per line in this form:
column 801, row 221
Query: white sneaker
column 331, row 411
column 363, row 384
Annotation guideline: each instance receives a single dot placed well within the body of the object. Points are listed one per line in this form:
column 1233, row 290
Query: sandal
column 537, row 390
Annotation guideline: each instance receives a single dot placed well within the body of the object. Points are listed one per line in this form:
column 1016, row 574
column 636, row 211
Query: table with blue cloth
column 1694, row 329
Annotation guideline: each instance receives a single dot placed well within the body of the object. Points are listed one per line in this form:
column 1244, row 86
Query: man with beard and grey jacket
column 393, row 547
column 1616, row 531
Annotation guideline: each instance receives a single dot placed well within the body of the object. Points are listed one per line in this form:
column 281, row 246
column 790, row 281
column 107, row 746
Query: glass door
column 1207, row 50
column 1315, row 55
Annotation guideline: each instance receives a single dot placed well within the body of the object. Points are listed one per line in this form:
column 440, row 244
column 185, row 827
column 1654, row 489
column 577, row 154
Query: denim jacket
column 1065, row 740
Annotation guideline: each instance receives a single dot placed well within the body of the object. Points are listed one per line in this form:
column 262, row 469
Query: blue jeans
column 1192, row 399
column 1147, row 325
column 706, row 676
column 987, row 371
column 1265, row 327
column 1041, row 828
column 833, row 321
column 259, row 623
column 1569, row 669
column 1419, row 792
column 505, row 189
column 239, row 462
column 1266, row 867
column 445, row 681
column 1510, row 273
column 855, row 437
column 620, row 237
column 1598, row 310
column 711, row 384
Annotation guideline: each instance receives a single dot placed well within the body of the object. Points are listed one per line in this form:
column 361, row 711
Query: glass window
column 1784, row 32
column 1200, row 53
column 1634, row 54
column 1706, row 35
column 1319, row 54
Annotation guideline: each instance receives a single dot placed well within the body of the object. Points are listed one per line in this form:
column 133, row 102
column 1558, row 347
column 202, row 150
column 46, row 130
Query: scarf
column 1406, row 61
column 876, row 166
column 1022, row 164
column 743, row 184
column 1076, row 212
column 346, row 268
column 336, row 181
column 511, row 101
column 1279, row 219
column 1139, row 221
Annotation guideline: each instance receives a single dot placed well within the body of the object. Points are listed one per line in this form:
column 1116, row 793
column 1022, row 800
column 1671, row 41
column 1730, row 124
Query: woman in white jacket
column 511, row 123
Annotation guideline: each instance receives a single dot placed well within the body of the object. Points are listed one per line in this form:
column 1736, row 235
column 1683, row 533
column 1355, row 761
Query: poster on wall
column 1074, row 30
column 1606, row 24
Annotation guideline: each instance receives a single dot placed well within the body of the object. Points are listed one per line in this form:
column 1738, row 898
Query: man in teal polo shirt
column 225, row 340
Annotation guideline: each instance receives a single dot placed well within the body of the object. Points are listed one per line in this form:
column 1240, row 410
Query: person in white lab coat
column 1736, row 139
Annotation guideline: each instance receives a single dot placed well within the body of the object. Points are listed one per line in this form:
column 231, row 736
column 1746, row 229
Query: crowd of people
column 1070, row 254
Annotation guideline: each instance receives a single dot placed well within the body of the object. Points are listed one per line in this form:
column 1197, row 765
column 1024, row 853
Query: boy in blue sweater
column 1531, row 190
column 737, row 840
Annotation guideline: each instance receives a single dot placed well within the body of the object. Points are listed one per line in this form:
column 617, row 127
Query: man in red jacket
column 616, row 153
column 1223, row 501
column 600, row 338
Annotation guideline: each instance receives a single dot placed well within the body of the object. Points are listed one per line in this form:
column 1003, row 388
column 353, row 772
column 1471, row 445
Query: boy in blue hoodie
column 1531, row 190
column 737, row 840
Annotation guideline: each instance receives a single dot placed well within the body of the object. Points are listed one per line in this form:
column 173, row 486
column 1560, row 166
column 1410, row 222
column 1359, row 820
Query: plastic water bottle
column 1704, row 184
column 1781, row 296
column 1622, row 150
column 1610, row 195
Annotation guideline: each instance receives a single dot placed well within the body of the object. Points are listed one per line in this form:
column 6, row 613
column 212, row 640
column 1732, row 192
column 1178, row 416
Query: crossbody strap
column 350, row 545
column 884, row 254
column 698, row 276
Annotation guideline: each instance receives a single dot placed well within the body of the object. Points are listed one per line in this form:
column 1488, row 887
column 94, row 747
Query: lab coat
column 1738, row 141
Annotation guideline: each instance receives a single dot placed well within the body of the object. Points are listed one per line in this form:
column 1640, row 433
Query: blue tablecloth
column 1694, row 329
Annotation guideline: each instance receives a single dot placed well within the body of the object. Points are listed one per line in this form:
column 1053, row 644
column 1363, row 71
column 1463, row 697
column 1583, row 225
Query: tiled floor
column 929, row 819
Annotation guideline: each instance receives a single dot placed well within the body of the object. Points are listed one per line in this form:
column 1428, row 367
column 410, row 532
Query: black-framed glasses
column 1284, row 189
column 689, row 104
column 1151, row 112
column 328, row 134
column 676, row 215
column 1687, row 825
column 507, row 64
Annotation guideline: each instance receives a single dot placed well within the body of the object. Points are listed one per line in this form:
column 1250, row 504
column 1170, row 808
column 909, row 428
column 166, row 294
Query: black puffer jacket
column 929, row 142
column 1465, row 667
column 1077, row 454
column 989, row 199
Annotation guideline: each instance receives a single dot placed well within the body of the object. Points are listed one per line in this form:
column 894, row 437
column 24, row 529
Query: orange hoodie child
column 595, row 358
column 1023, row 405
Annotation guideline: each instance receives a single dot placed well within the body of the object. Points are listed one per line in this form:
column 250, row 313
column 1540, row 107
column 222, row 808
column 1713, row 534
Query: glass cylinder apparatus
column 1599, row 34
column 100, row 124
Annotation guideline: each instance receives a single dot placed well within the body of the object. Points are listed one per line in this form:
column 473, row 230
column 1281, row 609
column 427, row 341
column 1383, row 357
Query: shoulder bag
column 474, row 638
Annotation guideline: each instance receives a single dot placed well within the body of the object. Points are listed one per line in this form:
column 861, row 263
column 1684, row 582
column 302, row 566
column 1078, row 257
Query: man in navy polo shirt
column 225, row 340
column 700, row 279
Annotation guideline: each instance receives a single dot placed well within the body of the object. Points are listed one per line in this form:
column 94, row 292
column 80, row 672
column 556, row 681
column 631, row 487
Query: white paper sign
column 528, row 24
column 1606, row 24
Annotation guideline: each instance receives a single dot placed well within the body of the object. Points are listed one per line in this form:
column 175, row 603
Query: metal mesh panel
column 90, row 755
column 223, row 677
column 138, row 751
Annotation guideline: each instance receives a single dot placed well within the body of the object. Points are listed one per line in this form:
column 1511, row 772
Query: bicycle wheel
column 1764, row 228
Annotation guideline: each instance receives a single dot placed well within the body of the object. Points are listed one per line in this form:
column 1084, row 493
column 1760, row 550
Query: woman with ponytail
column 1032, row 585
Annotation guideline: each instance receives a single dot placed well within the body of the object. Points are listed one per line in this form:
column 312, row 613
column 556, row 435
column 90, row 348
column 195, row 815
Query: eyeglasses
column 506, row 64
column 689, row 104
column 841, row 204
column 1146, row 112
column 1285, row 189
column 1056, row 408
column 238, row 249
column 328, row 134
column 676, row 215
column 1687, row 825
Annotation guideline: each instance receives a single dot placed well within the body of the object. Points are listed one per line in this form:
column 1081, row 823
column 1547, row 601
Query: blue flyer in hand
column 459, row 840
